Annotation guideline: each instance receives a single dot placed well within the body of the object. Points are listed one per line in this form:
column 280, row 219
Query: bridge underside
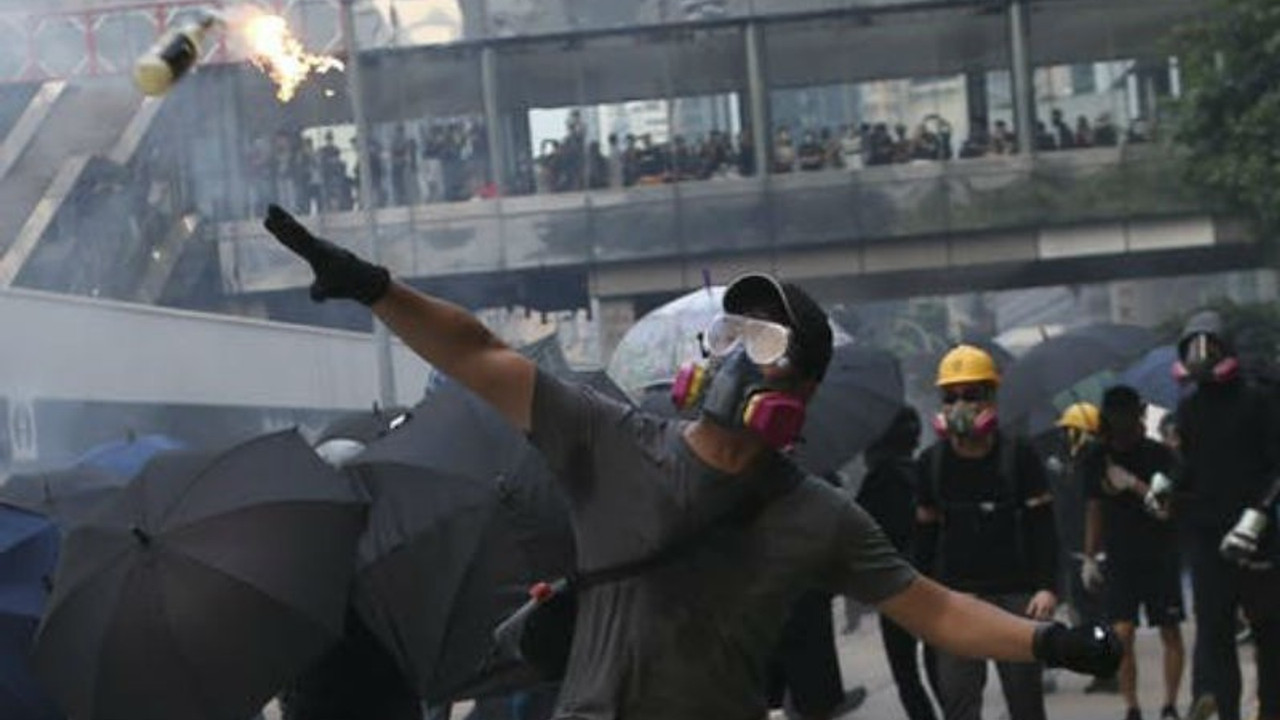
column 945, row 264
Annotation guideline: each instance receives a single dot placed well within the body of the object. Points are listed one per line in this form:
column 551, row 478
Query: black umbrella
column 203, row 586
column 853, row 406
column 364, row 426
column 65, row 496
column 465, row 518
column 1067, row 368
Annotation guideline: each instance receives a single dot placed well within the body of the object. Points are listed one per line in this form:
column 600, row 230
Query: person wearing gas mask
column 1077, row 429
column 1229, row 435
column 1130, row 555
column 985, row 526
column 689, row 639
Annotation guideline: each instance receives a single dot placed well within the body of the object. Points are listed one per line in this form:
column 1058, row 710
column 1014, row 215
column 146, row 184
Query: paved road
column 862, row 662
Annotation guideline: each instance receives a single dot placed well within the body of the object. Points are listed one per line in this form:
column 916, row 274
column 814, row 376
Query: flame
column 275, row 51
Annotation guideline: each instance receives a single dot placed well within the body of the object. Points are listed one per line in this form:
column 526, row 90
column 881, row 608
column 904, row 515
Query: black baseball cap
column 811, row 339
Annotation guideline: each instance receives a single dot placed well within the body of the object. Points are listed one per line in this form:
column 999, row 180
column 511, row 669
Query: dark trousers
column 961, row 680
column 900, row 648
column 1219, row 588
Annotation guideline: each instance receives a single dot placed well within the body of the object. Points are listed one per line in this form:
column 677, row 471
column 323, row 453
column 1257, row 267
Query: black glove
column 339, row 272
column 1089, row 649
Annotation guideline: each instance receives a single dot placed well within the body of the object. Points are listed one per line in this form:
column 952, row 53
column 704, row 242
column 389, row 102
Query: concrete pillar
column 758, row 96
column 1024, row 91
column 492, row 121
column 614, row 317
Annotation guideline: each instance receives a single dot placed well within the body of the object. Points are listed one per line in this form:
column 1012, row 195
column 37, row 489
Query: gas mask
column 731, row 391
column 1203, row 360
column 962, row 417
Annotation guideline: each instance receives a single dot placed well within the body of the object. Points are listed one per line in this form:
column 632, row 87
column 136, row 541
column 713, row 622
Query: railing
column 739, row 215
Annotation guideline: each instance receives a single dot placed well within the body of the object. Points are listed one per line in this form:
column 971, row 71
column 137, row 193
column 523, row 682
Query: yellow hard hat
column 1081, row 416
column 967, row 364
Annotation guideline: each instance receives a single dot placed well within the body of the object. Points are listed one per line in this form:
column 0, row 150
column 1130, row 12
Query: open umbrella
column 203, row 586
column 1076, row 365
column 65, row 496
column 853, row 406
column 28, row 552
column 1152, row 377
column 348, row 435
column 465, row 517
column 126, row 457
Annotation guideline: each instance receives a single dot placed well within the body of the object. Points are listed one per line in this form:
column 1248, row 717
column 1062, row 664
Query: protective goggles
column 765, row 342
column 969, row 394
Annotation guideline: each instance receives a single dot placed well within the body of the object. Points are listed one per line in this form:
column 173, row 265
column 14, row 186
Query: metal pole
column 493, row 120
column 1024, row 91
column 355, row 90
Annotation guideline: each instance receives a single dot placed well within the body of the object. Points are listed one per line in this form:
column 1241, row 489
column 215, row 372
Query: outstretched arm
column 964, row 625
column 443, row 334
column 460, row 346
column 960, row 624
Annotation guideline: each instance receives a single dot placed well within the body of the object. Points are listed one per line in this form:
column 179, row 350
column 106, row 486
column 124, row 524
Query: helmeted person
column 1229, row 439
column 690, row 639
column 985, row 526
column 1077, row 429
column 1131, row 556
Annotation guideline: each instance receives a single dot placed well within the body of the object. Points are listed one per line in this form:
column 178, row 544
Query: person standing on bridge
column 690, row 639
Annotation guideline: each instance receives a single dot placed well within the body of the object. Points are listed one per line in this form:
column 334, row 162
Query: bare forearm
column 961, row 624
column 460, row 346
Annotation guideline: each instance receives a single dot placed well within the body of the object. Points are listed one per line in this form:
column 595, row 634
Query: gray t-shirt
column 689, row 639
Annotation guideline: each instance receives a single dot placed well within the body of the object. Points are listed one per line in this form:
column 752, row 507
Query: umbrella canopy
column 1076, row 365
column 363, row 427
column 465, row 517
column 653, row 349
column 126, row 457
column 203, row 586
column 65, row 496
column 853, row 406
column 1152, row 377
column 28, row 552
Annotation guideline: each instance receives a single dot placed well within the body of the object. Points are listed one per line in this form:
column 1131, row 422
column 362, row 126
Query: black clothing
column 805, row 663
column 900, row 648
column 888, row 493
column 1155, row 587
column 1230, row 449
column 988, row 542
column 1131, row 536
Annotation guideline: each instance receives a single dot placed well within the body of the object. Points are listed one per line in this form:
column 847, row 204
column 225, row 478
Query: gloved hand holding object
column 1090, row 649
column 1091, row 574
column 339, row 272
column 1158, row 496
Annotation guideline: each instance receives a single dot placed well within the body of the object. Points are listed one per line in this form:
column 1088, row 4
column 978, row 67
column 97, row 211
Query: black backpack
column 1009, row 499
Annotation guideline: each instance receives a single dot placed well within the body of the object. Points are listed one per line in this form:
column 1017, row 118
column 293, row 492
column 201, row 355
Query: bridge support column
column 758, row 97
column 492, row 121
column 614, row 316
column 1024, row 90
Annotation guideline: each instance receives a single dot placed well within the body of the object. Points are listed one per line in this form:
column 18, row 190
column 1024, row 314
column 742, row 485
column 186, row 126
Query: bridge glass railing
column 802, row 210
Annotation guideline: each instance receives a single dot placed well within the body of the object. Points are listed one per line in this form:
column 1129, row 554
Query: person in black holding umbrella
column 888, row 493
column 690, row 639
